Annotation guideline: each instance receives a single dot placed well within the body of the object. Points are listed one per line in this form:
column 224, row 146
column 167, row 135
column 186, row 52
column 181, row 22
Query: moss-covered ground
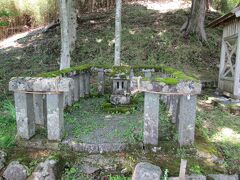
column 148, row 38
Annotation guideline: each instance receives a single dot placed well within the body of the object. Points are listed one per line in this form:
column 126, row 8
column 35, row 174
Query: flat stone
column 196, row 177
column 223, row 177
column 3, row 156
column 146, row 171
column 40, row 84
column 15, row 171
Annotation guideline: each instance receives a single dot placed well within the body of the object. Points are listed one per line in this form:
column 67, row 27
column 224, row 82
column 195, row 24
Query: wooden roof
column 234, row 14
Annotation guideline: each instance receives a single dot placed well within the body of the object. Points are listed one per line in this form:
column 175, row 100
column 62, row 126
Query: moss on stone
column 111, row 108
column 168, row 81
column 122, row 71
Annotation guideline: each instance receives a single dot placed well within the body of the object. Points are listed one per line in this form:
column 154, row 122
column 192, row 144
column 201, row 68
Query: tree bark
column 118, row 28
column 195, row 22
column 68, row 21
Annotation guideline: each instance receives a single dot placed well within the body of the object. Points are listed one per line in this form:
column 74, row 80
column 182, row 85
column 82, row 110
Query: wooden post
column 236, row 89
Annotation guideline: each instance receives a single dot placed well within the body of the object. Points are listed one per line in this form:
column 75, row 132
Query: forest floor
column 148, row 37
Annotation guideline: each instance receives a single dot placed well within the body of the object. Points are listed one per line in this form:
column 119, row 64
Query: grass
column 7, row 125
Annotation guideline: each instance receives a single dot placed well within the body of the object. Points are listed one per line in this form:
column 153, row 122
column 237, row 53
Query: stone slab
column 146, row 171
column 186, row 119
column 25, row 115
column 151, row 118
column 55, row 121
column 31, row 84
column 223, row 177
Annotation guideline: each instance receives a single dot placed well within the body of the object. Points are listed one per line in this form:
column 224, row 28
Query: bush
column 225, row 5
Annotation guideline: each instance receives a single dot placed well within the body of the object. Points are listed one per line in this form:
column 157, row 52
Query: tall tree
column 195, row 21
column 68, row 20
column 118, row 28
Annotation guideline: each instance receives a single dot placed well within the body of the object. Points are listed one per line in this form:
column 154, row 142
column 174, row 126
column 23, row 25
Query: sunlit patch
column 226, row 135
column 167, row 6
column 132, row 32
column 99, row 40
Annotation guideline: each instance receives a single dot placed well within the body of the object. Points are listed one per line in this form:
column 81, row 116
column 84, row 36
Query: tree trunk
column 118, row 28
column 195, row 22
column 68, row 21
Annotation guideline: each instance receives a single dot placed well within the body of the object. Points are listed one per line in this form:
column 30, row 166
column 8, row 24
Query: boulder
column 3, row 156
column 223, row 177
column 146, row 171
column 45, row 171
column 15, row 171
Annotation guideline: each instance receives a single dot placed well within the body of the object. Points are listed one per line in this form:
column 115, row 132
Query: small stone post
column 25, row 115
column 82, row 85
column 39, row 109
column 151, row 118
column 55, row 123
column 101, row 81
column 87, row 83
column 174, row 108
column 76, row 88
column 186, row 119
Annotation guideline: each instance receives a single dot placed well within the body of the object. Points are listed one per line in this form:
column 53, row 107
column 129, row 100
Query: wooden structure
column 229, row 70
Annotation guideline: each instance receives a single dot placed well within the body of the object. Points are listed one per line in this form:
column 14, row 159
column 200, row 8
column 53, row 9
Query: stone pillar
column 87, row 83
column 69, row 96
column 55, row 122
column 24, row 115
column 39, row 111
column 81, row 85
column 76, row 93
column 151, row 118
column 173, row 109
column 186, row 120
column 101, row 81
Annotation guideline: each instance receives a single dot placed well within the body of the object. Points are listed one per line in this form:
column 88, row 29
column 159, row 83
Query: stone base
column 120, row 99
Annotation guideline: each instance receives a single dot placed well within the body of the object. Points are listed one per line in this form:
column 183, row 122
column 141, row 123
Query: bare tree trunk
column 118, row 28
column 195, row 22
column 68, row 20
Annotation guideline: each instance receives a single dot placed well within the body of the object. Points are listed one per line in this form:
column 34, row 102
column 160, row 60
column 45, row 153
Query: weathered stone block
column 55, row 122
column 146, row 171
column 15, row 171
column 25, row 115
column 120, row 99
column 40, row 84
column 186, row 120
column 151, row 118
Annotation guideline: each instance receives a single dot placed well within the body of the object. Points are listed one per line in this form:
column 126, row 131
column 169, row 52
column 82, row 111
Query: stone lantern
column 120, row 89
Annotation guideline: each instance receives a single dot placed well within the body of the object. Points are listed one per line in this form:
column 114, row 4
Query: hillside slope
column 148, row 37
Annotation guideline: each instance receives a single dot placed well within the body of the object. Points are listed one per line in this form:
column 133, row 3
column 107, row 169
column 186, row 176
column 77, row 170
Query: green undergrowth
column 218, row 134
column 7, row 124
